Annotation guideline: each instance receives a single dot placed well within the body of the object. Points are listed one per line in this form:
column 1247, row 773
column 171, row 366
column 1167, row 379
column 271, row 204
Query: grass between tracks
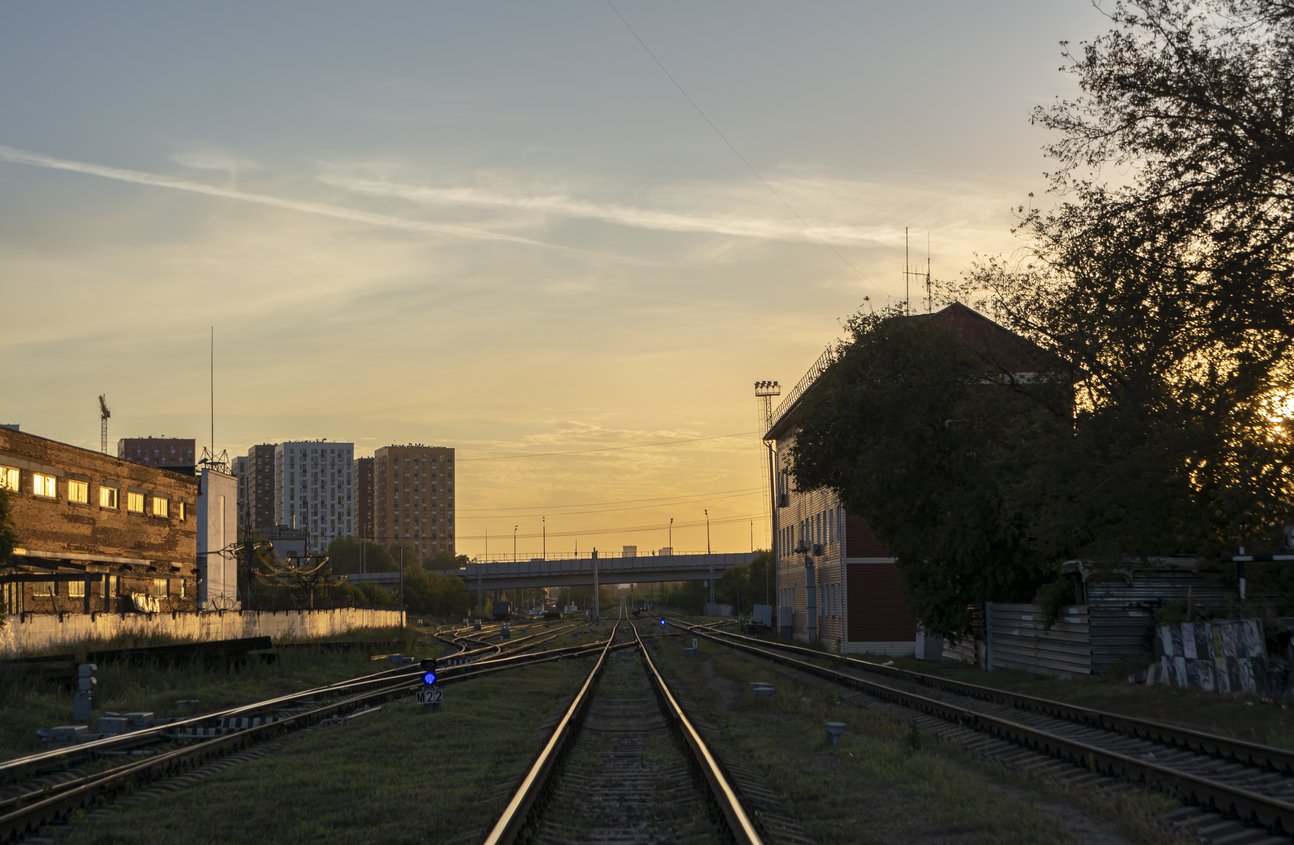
column 395, row 776
column 1245, row 717
column 885, row 782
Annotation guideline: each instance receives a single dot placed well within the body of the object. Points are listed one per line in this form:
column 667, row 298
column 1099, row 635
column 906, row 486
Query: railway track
column 1226, row 784
column 46, row 788
column 625, row 764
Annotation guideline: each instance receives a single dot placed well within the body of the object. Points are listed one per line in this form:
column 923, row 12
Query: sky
column 516, row 229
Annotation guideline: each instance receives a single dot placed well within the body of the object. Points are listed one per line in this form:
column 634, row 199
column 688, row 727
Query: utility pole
column 544, row 525
column 402, row 585
column 708, row 558
column 514, row 543
column 597, row 607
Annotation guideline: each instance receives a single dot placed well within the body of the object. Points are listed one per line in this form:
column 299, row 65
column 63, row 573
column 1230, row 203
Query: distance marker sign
column 431, row 695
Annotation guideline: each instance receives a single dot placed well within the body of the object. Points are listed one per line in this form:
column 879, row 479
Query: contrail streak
column 157, row 180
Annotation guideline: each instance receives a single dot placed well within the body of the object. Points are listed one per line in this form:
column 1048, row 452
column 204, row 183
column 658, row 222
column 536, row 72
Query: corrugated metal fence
column 1016, row 639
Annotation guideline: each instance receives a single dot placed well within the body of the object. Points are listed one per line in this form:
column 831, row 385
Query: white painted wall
column 217, row 531
column 44, row 631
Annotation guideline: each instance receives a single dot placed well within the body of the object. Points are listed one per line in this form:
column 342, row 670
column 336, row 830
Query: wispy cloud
column 210, row 159
column 739, row 224
column 158, row 180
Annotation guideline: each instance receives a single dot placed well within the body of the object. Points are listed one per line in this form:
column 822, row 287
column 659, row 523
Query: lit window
column 160, row 506
column 9, row 478
column 159, row 587
column 42, row 588
column 182, row 513
column 78, row 491
column 134, row 502
column 108, row 497
column 184, row 588
column 44, row 485
column 76, row 589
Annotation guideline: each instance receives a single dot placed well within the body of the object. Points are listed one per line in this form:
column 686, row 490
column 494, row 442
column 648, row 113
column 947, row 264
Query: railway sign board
column 1289, row 537
column 431, row 698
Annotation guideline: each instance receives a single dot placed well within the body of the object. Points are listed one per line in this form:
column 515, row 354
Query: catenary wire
column 771, row 190
column 610, row 448
column 613, row 502
column 691, row 500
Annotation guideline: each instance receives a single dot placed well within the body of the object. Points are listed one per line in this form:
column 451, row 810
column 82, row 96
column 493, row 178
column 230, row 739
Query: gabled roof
column 1001, row 349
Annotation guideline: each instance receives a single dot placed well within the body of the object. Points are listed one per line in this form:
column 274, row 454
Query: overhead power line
column 609, row 448
column 735, row 152
column 614, row 502
column 659, row 526
column 692, row 500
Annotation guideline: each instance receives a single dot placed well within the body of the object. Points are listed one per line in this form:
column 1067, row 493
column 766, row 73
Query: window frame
column 73, row 487
column 38, row 484
column 104, row 491
column 10, row 478
column 131, row 499
column 44, row 588
column 161, row 588
column 161, row 507
column 76, row 589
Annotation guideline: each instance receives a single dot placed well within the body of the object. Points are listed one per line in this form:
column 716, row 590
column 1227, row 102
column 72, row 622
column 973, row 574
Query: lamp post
column 544, row 525
column 707, row 532
column 709, row 559
column 514, row 543
column 671, row 536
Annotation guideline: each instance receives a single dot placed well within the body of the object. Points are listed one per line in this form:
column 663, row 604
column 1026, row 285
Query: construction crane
column 104, row 413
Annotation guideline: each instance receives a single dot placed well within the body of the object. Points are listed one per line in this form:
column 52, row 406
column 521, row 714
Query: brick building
column 95, row 533
column 413, row 497
column 835, row 581
column 364, row 524
column 170, row 452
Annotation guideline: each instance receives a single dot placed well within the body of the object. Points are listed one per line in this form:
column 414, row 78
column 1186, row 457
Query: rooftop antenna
column 220, row 462
column 104, row 413
column 909, row 272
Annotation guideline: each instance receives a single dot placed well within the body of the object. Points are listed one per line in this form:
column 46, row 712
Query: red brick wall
column 878, row 611
column 859, row 540
column 52, row 527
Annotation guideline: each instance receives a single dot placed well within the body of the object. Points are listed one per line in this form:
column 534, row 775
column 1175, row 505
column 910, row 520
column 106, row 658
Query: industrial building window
column 44, row 485
column 161, row 507
column 184, row 511
column 159, row 587
column 134, row 502
column 78, row 491
column 9, row 478
column 76, row 589
column 42, row 588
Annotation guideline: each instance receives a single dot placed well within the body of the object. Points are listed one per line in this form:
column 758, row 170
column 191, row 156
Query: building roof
column 999, row 348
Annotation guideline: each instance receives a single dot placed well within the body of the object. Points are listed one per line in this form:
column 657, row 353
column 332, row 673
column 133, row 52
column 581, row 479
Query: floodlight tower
column 104, row 413
column 764, row 393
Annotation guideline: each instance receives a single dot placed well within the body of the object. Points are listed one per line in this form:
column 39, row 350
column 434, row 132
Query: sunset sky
column 495, row 226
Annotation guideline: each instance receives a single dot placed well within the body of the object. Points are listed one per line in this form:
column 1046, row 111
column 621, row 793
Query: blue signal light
column 662, row 621
column 429, row 678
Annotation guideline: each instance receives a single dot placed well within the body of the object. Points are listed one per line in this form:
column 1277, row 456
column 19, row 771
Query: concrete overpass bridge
column 582, row 571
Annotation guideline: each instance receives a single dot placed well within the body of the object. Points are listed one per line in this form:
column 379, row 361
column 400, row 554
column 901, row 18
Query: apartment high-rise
column 364, row 525
column 257, row 488
column 413, row 497
column 168, row 452
column 314, row 490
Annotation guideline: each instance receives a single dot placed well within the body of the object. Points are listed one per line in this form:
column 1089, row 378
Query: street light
column 707, row 532
column 514, row 543
column 671, row 535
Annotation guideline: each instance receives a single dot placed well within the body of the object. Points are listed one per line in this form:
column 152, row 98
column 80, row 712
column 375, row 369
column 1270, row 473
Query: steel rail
column 17, row 768
column 1199, row 742
column 519, row 807
column 743, row 830
column 54, row 803
column 1251, row 808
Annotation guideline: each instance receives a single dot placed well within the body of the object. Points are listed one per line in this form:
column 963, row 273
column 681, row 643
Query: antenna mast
column 909, row 272
column 104, row 413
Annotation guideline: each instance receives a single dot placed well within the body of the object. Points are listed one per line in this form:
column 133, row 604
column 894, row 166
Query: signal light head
column 429, row 678
column 662, row 621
